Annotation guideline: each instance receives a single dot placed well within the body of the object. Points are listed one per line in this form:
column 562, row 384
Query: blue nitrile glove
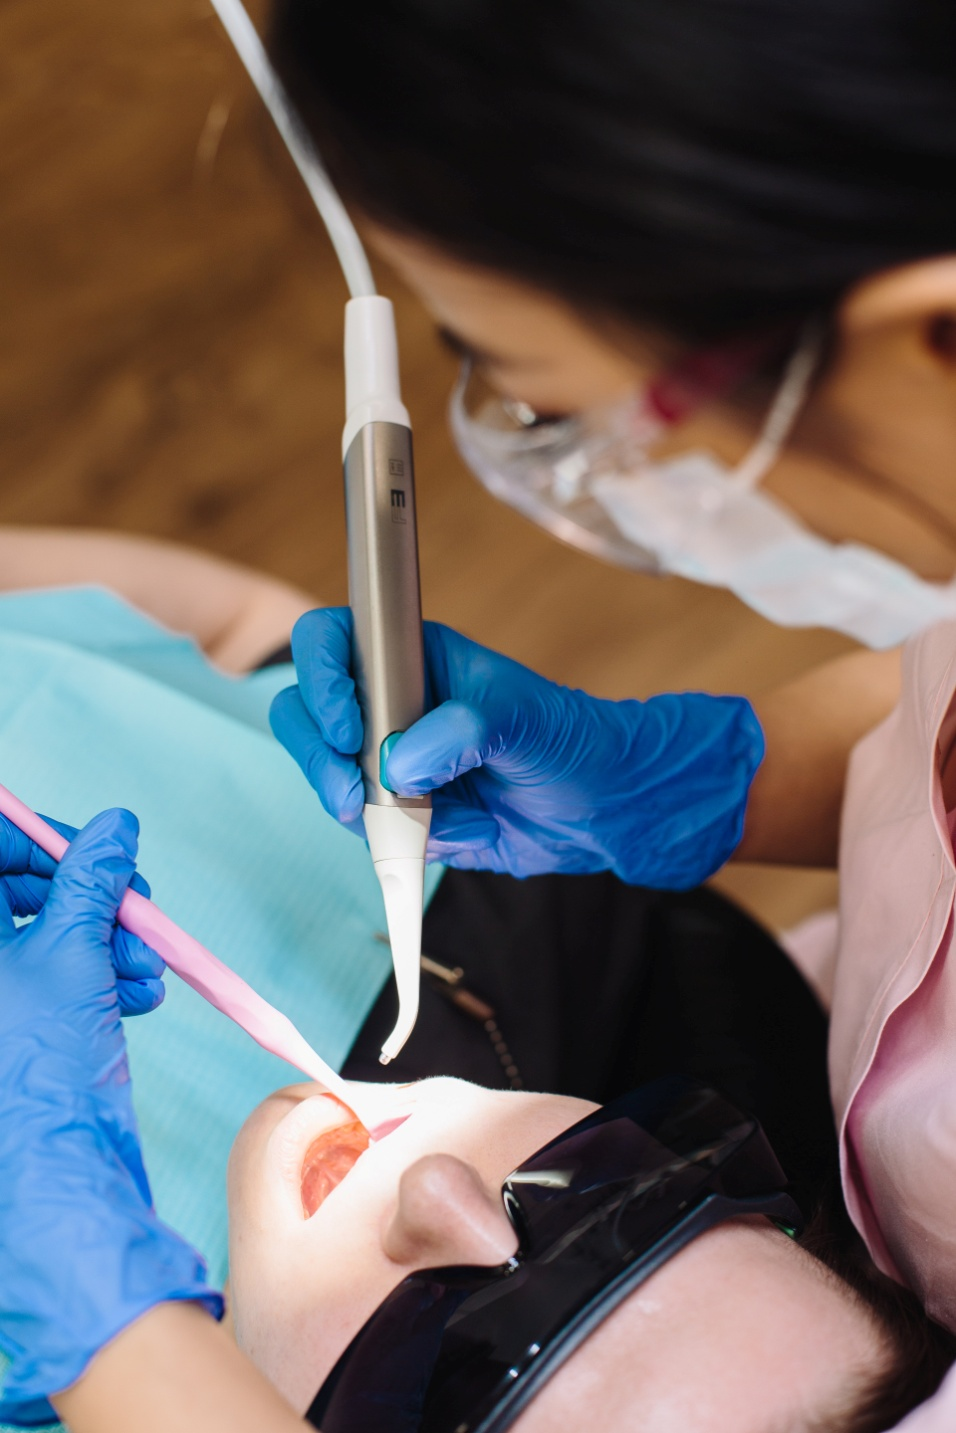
column 82, row 1253
column 530, row 776
column 25, row 873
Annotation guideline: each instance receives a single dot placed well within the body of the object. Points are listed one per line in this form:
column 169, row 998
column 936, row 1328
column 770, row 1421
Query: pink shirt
column 893, row 1031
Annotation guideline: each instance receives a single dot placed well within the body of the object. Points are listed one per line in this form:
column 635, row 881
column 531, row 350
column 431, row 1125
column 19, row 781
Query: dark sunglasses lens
column 670, row 1134
column 381, row 1384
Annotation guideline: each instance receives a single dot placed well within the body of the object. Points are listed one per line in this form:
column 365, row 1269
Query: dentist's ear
column 915, row 303
column 446, row 1215
column 942, row 335
column 885, row 415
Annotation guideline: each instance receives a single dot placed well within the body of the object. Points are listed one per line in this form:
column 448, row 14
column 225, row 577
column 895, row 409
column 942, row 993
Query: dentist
column 700, row 261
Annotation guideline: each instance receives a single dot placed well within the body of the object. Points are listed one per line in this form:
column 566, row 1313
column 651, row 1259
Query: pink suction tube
column 196, row 965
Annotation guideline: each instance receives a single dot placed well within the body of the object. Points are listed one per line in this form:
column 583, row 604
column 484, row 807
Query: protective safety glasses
column 554, row 471
column 596, row 1211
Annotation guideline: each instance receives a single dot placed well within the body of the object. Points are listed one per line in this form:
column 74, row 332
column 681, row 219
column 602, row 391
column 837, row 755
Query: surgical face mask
column 590, row 481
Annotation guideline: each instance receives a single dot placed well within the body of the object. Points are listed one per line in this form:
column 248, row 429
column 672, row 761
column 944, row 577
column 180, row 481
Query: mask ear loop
column 784, row 410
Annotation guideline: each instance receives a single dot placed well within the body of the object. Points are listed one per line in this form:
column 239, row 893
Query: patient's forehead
column 741, row 1332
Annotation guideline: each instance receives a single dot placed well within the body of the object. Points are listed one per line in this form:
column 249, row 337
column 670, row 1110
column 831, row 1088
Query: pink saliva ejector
column 197, row 966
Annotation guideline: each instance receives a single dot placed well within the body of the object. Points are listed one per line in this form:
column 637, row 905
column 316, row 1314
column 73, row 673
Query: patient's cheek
column 328, row 1160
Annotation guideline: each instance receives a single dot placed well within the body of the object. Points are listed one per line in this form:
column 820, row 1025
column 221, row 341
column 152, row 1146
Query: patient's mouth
column 328, row 1160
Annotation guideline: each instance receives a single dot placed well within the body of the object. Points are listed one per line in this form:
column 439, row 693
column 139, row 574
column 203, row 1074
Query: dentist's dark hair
column 701, row 165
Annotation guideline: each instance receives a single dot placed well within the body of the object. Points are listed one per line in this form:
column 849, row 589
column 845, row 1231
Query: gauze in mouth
column 328, row 1160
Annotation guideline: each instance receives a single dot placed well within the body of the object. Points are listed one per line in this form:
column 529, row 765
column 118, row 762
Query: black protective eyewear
column 596, row 1211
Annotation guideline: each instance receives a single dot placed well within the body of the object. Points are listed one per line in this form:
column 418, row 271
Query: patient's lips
column 328, row 1160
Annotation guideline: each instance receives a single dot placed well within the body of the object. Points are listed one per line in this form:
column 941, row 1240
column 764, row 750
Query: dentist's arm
column 175, row 1368
column 811, row 726
column 104, row 1312
column 82, row 1252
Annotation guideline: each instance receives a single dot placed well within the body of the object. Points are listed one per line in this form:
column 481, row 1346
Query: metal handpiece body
column 387, row 656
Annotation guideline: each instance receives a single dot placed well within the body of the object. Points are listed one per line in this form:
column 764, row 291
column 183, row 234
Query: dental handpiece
column 387, row 654
column 382, row 543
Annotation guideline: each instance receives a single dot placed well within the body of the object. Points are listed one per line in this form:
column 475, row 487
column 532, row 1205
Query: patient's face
column 741, row 1330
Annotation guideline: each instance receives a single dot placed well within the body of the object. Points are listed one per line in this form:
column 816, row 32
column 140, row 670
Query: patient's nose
column 445, row 1214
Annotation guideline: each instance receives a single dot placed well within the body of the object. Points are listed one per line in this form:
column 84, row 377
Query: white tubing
column 345, row 240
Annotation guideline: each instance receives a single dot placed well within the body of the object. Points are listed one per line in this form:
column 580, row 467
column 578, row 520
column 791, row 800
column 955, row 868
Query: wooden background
column 170, row 364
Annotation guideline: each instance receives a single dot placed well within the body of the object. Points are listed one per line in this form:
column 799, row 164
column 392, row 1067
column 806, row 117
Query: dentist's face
column 742, row 1330
column 873, row 456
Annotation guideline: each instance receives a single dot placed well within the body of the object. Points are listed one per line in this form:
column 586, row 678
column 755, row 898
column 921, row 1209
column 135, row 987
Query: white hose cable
column 345, row 240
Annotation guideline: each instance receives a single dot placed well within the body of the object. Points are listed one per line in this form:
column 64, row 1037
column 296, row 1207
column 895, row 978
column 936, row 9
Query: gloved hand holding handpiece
column 531, row 777
column 82, row 1252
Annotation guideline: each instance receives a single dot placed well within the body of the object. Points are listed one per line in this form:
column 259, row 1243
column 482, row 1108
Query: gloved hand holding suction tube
column 82, row 1253
column 531, row 777
column 25, row 875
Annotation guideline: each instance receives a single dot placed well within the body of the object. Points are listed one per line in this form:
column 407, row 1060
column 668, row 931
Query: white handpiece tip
column 402, row 880
column 398, row 838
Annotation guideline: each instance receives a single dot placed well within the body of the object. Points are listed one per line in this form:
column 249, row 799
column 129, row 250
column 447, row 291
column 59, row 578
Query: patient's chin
column 328, row 1160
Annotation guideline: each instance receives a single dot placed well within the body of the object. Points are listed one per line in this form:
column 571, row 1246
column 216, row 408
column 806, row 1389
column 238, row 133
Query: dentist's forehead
column 529, row 344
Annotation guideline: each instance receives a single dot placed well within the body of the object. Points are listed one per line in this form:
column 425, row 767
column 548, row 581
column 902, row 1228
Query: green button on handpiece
column 383, row 754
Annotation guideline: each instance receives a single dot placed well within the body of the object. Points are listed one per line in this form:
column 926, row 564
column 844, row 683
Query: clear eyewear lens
column 546, row 468
column 565, row 473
